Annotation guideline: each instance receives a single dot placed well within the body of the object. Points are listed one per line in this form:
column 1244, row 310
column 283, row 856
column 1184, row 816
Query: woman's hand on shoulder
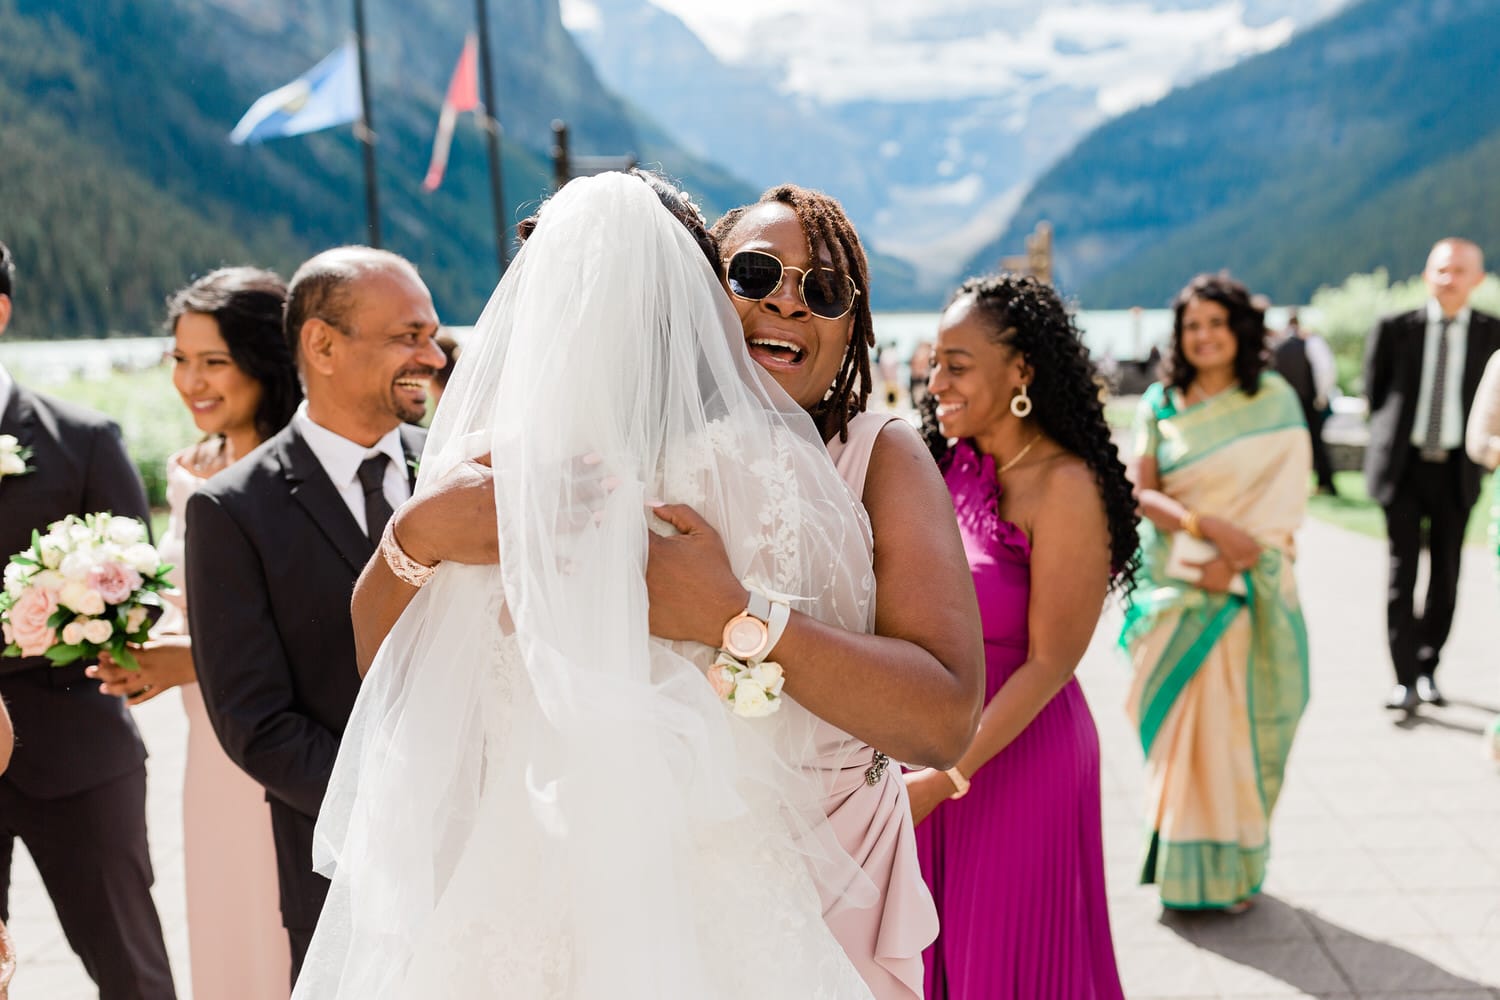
column 455, row 521
column 165, row 663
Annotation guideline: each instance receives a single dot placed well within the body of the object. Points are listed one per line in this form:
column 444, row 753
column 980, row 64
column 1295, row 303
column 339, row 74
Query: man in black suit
column 75, row 793
column 1421, row 371
column 275, row 543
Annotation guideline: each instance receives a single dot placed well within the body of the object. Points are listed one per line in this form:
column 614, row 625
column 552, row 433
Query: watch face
column 745, row 636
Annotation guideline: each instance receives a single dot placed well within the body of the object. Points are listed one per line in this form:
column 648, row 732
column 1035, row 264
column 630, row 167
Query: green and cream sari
column 1220, row 679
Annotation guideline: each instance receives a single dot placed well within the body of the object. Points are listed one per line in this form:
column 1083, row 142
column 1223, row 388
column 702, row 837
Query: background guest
column 1048, row 523
column 231, row 366
column 274, row 543
column 1421, row 371
column 1215, row 632
column 1307, row 364
column 79, row 767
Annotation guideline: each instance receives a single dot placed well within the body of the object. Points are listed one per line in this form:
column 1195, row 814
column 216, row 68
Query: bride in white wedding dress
column 534, row 798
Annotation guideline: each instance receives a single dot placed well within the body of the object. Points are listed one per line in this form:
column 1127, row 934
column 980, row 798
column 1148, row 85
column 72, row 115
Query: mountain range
column 1353, row 147
column 929, row 121
column 118, row 182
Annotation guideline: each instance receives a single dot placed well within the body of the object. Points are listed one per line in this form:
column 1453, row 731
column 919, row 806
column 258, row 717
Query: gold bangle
column 1192, row 524
column 960, row 783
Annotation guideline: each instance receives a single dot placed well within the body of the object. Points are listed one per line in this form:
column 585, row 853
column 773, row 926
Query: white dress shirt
column 1451, row 434
column 6, row 388
column 341, row 459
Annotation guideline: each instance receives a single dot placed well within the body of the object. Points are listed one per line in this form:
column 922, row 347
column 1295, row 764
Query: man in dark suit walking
column 275, row 543
column 75, row 793
column 1421, row 371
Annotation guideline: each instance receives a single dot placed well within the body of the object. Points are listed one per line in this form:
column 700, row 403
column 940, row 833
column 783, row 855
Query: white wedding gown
column 534, row 798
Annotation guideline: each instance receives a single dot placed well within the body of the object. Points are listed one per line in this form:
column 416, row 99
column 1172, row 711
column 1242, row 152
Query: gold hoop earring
column 1020, row 405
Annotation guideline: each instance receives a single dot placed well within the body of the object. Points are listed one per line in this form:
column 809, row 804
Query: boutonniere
column 415, row 465
column 13, row 457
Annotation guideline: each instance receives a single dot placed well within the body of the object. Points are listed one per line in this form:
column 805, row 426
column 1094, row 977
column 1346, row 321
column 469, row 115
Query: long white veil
column 534, row 797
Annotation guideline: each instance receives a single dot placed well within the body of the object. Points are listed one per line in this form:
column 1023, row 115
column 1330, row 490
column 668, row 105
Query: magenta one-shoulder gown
column 1016, row 867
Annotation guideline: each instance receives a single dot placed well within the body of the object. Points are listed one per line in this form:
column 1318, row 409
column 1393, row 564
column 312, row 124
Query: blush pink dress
column 873, row 821
column 236, row 944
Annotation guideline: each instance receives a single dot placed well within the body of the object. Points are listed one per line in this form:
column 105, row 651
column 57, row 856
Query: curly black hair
column 827, row 227
column 1246, row 321
column 1029, row 316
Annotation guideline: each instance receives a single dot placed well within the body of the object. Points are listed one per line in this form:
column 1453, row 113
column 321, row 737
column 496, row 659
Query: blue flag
column 324, row 96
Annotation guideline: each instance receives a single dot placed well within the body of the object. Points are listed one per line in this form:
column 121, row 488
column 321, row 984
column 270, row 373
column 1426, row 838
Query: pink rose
column 721, row 678
column 28, row 621
column 114, row 581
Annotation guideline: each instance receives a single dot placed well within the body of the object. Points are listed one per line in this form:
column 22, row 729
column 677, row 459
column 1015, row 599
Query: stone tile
column 1268, row 968
column 1416, row 966
column 1380, row 916
column 1464, row 868
column 1324, row 871
column 1164, row 971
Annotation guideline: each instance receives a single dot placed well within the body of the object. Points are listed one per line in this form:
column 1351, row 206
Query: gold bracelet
column 1192, row 524
column 960, row 783
column 407, row 569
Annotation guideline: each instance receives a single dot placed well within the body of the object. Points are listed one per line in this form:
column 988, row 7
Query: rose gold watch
column 747, row 636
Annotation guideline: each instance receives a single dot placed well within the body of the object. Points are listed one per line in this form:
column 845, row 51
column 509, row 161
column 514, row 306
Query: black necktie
column 1432, row 441
column 377, row 507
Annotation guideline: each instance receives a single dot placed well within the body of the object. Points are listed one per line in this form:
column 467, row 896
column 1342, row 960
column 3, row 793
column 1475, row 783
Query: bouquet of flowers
column 88, row 585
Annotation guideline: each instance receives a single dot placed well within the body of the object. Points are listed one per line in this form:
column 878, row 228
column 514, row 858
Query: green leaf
column 124, row 657
column 59, row 618
column 13, row 649
column 62, row 655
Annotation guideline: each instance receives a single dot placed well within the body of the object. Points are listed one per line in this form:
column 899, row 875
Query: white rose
column 11, row 464
column 81, row 535
column 76, row 565
column 134, row 619
column 49, row 578
column 80, row 597
column 50, row 551
column 768, row 675
column 16, row 578
column 142, row 557
column 125, row 531
column 751, row 701
column 8, row 442
column 73, row 633
column 98, row 631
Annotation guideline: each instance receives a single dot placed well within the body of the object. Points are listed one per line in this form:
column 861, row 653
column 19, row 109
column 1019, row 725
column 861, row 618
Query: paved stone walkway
column 1385, row 871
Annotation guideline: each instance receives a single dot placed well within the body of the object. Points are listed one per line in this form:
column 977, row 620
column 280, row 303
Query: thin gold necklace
column 1019, row 455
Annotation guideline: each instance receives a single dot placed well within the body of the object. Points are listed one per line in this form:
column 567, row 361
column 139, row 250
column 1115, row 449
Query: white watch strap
column 759, row 606
column 781, row 613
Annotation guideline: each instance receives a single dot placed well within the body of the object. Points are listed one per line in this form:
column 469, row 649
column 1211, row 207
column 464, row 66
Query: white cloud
column 580, row 15
column 894, row 50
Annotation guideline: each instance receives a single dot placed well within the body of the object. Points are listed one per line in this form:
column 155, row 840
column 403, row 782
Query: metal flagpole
column 492, row 133
column 365, row 130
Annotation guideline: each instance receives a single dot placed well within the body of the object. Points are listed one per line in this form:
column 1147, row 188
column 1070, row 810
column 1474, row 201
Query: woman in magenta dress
column 1009, row 839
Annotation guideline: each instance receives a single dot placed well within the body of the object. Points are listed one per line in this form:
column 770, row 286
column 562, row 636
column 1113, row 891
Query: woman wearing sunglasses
column 909, row 686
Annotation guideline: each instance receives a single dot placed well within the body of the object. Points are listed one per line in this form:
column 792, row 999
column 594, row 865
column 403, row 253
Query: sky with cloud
column 1130, row 52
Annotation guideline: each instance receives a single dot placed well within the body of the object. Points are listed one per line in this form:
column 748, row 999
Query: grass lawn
column 1354, row 510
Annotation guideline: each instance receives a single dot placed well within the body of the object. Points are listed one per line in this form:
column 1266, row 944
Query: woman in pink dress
column 236, row 376
column 1010, row 836
column 797, row 276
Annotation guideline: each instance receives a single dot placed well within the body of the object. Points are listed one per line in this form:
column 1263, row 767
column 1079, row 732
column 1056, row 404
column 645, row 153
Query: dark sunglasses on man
column 755, row 275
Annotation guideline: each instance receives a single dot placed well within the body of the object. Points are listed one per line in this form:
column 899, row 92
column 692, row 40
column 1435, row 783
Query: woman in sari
column 1215, row 632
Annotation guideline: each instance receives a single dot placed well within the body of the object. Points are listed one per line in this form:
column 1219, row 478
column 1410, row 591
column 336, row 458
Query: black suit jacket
column 1393, row 377
column 272, row 557
column 69, row 737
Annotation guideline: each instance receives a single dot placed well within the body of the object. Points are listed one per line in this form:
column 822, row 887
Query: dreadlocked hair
column 673, row 199
column 826, row 227
column 1029, row 316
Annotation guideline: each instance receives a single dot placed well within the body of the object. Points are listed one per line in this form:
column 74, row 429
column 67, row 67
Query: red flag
column 463, row 95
